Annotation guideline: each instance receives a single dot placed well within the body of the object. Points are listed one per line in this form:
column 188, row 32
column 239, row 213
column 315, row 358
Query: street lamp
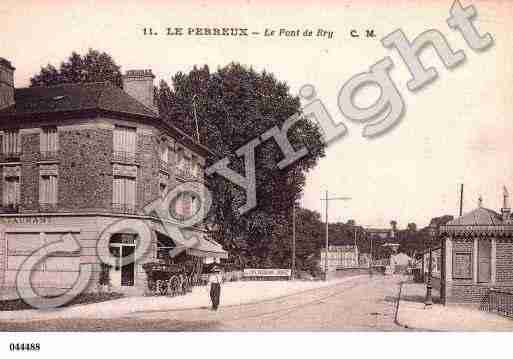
column 327, row 199
column 433, row 235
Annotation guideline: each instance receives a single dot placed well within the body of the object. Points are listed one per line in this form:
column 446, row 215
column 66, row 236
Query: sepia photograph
column 314, row 170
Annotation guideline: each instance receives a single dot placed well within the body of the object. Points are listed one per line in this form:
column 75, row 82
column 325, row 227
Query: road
column 360, row 304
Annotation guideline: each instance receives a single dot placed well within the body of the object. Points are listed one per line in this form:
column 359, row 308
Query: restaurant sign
column 25, row 220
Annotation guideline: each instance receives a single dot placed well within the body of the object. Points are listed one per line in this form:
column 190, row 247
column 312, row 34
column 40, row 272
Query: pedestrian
column 214, row 282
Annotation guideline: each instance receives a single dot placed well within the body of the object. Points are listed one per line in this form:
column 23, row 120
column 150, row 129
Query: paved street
column 359, row 304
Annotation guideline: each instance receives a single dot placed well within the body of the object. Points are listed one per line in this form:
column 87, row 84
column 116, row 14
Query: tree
column 95, row 66
column 393, row 225
column 440, row 221
column 233, row 106
column 410, row 240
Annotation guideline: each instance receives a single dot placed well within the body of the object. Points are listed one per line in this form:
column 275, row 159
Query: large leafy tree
column 414, row 241
column 94, row 66
column 232, row 106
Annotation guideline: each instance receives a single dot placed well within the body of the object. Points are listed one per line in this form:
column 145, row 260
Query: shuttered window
column 49, row 140
column 124, row 139
column 164, row 154
column 180, row 160
column 11, row 191
column 187, row 165
column 195, row 167
column 48, row 189
column 11, row 142
column 484, row 261
column 124, row 192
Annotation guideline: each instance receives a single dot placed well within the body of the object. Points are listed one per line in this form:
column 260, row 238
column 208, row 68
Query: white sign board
column 253, row 272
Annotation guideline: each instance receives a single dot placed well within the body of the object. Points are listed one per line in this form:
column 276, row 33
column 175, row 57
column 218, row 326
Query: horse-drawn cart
column 167, row 279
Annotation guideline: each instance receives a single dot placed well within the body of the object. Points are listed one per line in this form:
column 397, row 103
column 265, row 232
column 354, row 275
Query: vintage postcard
column 254, row 166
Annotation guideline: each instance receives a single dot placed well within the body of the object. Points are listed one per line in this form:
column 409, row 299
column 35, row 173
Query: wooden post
column 443, row 260
column 474, row 260
column 493, row 261
column 448, row 260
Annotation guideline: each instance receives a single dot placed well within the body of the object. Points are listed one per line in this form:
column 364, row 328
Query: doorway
column 484, row 261
column 123, row 250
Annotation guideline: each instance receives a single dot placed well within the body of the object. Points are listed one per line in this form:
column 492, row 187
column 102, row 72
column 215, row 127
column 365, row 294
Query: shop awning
column 207, row 249
column 204, row 248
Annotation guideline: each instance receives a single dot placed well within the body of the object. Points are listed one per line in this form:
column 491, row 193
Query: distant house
column 401, row 259
column 340, row 256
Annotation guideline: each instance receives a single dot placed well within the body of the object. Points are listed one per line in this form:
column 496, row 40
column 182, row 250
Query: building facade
column 476, row 255
column 76, row 158
column 339, row 256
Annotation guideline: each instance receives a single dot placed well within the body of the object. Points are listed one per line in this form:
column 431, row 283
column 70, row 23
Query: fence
column 498, row 301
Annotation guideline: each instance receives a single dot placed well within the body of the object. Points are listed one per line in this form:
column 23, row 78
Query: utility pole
column 293, row 269
column 327, row 199
column 370, row 255
column 461, row 200
column 357, row 260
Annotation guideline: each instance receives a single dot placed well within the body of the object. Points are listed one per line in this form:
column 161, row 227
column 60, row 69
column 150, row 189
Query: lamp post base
column 429, row 298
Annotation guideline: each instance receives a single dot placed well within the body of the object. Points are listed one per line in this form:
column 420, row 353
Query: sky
column 456, row 130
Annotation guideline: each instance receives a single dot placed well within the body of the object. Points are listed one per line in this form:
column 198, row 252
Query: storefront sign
column 252, row 272
column 26, row 220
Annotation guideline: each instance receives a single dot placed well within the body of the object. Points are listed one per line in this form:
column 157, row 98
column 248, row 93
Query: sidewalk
column 233, row 293
column 413, row 314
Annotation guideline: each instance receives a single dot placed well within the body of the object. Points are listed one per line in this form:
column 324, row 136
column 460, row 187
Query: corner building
column 75, row 158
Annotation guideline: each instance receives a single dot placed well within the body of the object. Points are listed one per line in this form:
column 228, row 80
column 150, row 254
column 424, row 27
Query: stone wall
column 504, row 255
column 29, row 182
column 466, row 293
column 148, row 175
column 85, row 169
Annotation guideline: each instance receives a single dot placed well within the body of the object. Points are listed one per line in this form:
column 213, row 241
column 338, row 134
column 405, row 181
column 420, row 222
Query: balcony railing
column 47, row 207
column 123, row 208
column 498, row 301
column 124, row 157
column 9, row 208
column 49, row 155
column 10, row 156
column 187, row 173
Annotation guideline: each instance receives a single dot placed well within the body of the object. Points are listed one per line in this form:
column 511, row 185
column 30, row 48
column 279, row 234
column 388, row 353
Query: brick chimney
column 6, row 83
column 139, row 85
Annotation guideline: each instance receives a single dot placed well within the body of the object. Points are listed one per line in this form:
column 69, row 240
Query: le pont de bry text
column 246, row 32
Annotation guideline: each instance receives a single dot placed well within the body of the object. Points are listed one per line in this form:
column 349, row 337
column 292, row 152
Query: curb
column 252, row 302
column 406, row 326
column 191, row 308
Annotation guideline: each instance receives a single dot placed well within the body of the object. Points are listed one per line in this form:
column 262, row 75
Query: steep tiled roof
column 75, row 97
